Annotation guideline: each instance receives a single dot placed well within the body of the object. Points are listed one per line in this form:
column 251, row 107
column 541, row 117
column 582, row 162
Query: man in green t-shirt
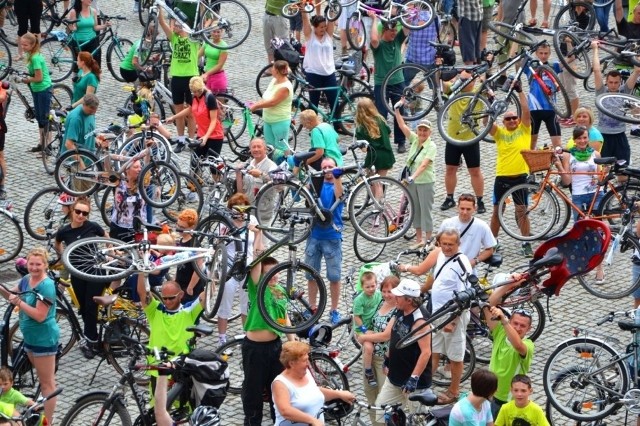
column 80, row 122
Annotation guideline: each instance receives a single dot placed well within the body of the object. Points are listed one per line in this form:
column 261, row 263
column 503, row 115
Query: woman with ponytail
column 88, row 78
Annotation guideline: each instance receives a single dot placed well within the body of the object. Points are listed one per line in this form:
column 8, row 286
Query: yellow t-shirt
column 454, row 126
column 509, row 144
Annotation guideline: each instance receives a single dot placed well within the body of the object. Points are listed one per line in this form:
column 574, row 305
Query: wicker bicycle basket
column 537, row 160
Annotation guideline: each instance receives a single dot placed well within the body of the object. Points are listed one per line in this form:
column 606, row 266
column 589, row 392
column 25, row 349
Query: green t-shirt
column 184, row 59
column 84, row 81
column 531, row 414
column 212, row 55
column 13, row 397
column 169, row 328
column 366, row 307
column 488, row 3
column 387, row 55
column 127, row 62
column 274, row 6
column 7, row 409
column 506, row 362
column 79, row 124
column 276, row 302
column 323, row 136
column 37, row 62
column 428, row 151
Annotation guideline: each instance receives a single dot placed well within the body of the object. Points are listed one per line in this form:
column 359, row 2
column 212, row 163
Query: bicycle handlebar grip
column 606, row 319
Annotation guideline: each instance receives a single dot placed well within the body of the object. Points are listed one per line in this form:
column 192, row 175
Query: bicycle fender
column 103, row 393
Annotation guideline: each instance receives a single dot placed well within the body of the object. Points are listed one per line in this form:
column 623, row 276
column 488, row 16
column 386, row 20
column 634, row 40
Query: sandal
column 532, row 22
column 447, row 398
column 544, row 24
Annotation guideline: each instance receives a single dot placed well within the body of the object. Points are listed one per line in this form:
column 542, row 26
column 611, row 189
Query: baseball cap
column 424, row 123
column 407, row 288
column 66, row 199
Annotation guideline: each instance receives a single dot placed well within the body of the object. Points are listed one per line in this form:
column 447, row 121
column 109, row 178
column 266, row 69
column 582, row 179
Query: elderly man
column 451, row 268
column 257, row 169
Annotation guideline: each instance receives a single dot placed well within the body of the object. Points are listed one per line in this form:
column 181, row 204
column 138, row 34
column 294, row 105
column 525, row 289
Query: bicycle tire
column 580, row 65
column 448, row 33
column 5, row 59
column 232, row 112
column 106, row 205
column 292, row 285
column 231, row 352
column 87, row 408
column 469, row 364
column 59, row 58
column 326, row 372
column 615, row 201
column 53, row 136
column 118, row 351
column 188, row 186
column 333, row 11
column 12, row 236
column 356, row 31
column 541, row 206
column 473, row 116
column 10, row 25
column 143, row 11
column 278, row 203
column 586, row 356
column 416, row 14
column 567, row 17
column 370, row 252
column 480, row 336
column 136, row 143
column 148, row 39
column 116, row 53
column 619, row 257
column 84, row 259
column 61, row 96
column 215, row 279
column 291, row 10
column 25, row 378
column 395, row 200
column 419, row 94
column 49, row 14
column 621, row 106
column 42, row 212
column 66, row 341
column 235, row 24
column 346, row 112
column 511, row 33
column 162, row 180
column 556, row 94
column 67, row 168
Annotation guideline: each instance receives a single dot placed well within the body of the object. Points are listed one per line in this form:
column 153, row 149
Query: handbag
column 406, row 170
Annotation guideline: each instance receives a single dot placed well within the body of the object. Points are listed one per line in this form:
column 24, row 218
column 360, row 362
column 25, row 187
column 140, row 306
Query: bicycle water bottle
column 459, row 82
column 507, row 84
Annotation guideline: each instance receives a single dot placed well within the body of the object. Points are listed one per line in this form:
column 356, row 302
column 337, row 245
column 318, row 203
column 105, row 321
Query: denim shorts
column 331, row 250
column 38, row 351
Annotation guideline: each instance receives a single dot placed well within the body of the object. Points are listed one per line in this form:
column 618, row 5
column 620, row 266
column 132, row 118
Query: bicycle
column 60, row 49
column 33, row 415
column 586, row 379
column 229, row 16
column 621, row 106
column 331, row 11
column 10, row 18
column 12, row 236
column 413, row 14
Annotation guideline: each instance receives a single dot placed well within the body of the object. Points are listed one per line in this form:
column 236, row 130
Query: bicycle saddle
column 138, row 224
column 495, row 260
column 347, row 72
column 299, row 157
column 124, row 112
column 442, row 46
column 605, row 160
column 427, row 398
column 243, row 209
column 628, row 326
column 105, row 300
column 70, row 21
column 200, row 330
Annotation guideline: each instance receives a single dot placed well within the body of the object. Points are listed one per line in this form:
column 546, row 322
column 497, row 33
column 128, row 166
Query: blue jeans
column 602, row 15
column 317, row 80
column 331, row 250
column 41, row 106
column 584, row 200
column 395, row 91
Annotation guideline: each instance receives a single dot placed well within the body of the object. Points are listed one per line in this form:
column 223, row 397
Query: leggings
column 85, row 291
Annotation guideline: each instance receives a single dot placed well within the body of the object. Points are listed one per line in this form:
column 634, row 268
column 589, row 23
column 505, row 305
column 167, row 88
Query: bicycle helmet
column 320, row 335
column 205, row 416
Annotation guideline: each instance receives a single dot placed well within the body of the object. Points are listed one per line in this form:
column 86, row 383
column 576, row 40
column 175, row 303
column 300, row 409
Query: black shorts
column 180, row 92
column 471, row 153
column 2, row 137
column 549, row 118
column 295, row 23
column 616, row 145
column 129, row 75
column 28, row 13
column 504, row 183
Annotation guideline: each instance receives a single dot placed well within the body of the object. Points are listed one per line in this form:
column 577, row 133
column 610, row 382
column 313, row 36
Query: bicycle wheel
column 469, row 364
column 393, row 201
column 61, row 96
column 232, row 353
column 215, row 273
column 592, row 369
column 332, row 11
column 526, row 212
column 116, row 53
column 346, row 111
column 533, row 307
column 576, row 15
column 43, row 215
column 554, row 91
column 10, row 28
column 619, row 258
column 365, row 251
column 291, row 10
column 573, row 53
column 326, row 372
column 480, row 336
column 189, row 197
column 465, row 119
column 106, row 205
column 419, row 93
column 59, row 58
column 97, row 409
column 282, row 296
column 5, row 59
column 75, row 172
column 510, row 32
column 143, row 11
column 100, row 259
column 416, row 14
column 159, row 184
column 134, row 144
column 230, row 16
column 53, row 136
column 356, row 32
column 118, row 351
column 12, row 236
column 232, row 116
column 278, row 203
column 621, row 106
column 616, row 201
column 448, row 33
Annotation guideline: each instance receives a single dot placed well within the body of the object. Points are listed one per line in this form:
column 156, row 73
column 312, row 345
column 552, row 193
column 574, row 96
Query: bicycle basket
column 537, row 160
column 339, row 411
column 210, row 377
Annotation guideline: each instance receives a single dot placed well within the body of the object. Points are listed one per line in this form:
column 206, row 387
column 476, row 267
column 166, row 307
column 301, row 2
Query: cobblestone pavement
column 573, row 307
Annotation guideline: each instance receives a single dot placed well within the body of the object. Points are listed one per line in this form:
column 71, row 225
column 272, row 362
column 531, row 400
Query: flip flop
column 544, row 24
column 532, row 22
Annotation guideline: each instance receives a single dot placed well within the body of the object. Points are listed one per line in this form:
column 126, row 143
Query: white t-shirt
column 477, row 237
column 308, row 399
column 464, row 413
column 318, row 57
column 450, row 277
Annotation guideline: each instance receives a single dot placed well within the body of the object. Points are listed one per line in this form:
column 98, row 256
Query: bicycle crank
column 499, row 107
column 632, row 400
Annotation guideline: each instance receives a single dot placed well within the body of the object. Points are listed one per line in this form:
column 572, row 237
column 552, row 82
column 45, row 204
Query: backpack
column 209, row 374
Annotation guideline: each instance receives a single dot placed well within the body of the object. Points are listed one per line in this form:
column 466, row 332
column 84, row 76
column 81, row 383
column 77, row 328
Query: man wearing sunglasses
column 511, row 169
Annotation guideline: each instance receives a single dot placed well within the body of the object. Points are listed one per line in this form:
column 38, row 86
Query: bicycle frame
column 299, row 106
column 187, row 28
column 385, row 15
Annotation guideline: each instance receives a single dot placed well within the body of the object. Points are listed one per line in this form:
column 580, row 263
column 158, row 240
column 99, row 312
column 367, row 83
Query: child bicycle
column 33, row 415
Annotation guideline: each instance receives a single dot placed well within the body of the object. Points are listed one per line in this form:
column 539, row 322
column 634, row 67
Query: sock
column 182, row 139
column 368, row 370
column 222, row 337
column 479, row 198
column 450, row 196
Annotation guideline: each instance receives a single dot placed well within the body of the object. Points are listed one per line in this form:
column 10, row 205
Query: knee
column 451, row 170
column 475, row 172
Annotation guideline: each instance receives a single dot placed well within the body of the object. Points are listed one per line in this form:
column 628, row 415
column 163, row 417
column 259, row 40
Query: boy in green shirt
column 10, row 397
column 520, row 410
column 365, row 306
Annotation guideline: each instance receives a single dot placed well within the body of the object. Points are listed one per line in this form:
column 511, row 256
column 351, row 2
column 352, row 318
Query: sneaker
column 481, row 207
column 402, row 148
column 497, row 247
column 136, row 6
column 567, row 122
column 448, row 204
column 441, row 370
column 222, row 341
column 192, row 197
column 600, row 281
column 87, row 349
column 335, row 317
column 371, row 378
column 527, row 251
column 3, row 194
column 635, row 132
column 36, row 148
column 180, row 146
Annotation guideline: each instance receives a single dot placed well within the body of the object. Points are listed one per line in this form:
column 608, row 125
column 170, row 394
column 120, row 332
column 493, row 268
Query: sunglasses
column 169, row 297
column 510, row 118
column 522, row 312
column 82, row 212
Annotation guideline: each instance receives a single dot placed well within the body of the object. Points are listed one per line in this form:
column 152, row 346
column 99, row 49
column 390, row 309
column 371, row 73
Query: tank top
column 307, row 398
column 201, row 110
column 402, row 361
column 84, row 27
column 318, row 58
column 583, row 184
column 282, row 111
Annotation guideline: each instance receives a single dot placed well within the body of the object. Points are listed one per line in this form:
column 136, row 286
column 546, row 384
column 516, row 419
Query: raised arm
column 374, row 38
column 306, row 25
column 400, row 121
column 163, row 23
column 524, row 106
column 597, row 71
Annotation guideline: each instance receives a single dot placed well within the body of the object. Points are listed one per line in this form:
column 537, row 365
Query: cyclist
column 86, row 30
